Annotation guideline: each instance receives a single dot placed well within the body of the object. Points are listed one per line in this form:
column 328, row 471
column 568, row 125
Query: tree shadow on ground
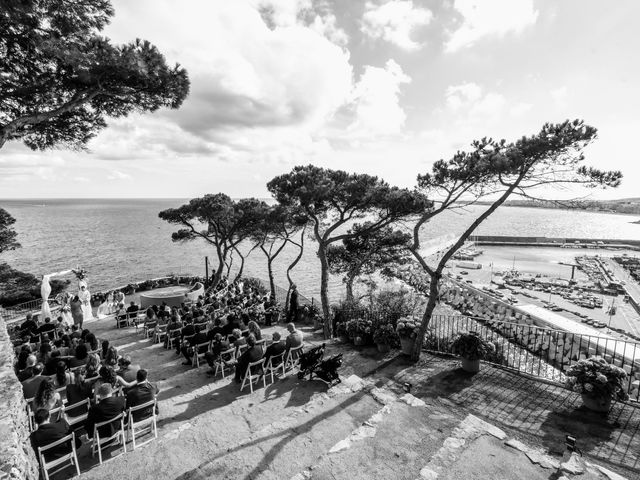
column 444, row 383
column 210, row 469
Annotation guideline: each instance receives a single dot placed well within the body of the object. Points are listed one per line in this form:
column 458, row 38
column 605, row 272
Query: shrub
column 385, row 334
column 471, row 346
column 597, row 378
column 407, row 327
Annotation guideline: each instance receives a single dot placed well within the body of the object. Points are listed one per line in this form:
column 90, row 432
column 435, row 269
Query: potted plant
column 471, row 347
column 363, row 332
column 598, row 382
column 407, row 330
column 384, row 337
column 350, row 329
column 341, row 331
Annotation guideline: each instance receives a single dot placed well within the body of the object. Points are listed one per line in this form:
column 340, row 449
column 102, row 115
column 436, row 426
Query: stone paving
column 493, row 425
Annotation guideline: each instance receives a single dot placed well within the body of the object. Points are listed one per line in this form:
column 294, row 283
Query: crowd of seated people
column 60, row 371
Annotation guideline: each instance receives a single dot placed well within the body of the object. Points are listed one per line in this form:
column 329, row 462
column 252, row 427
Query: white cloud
column 469, row 102
column 118, row 175
column 326, row 25
column 395, row 21
column 376, row 97
column 483, row 18
column 519, row 109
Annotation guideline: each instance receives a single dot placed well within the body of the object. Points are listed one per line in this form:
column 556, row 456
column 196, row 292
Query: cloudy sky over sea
column 377, row 86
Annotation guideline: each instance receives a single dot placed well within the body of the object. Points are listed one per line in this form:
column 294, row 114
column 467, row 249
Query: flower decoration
column 80, row 273
column 385, row 334
column 597, row 378
column 407, row 327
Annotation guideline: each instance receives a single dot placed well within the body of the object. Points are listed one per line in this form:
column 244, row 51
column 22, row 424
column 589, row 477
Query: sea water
column 121, row 241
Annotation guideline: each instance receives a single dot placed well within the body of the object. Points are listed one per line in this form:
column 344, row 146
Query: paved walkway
column 494, row 425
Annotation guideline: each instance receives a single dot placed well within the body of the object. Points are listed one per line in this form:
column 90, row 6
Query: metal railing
column 527, row 349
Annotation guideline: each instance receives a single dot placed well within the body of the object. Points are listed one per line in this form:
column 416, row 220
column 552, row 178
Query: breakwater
column 565, row 242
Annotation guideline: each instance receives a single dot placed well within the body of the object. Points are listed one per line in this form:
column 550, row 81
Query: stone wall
column 17, row 460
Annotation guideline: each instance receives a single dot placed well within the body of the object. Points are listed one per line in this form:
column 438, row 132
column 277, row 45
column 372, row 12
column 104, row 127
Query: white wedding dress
column 85, row 299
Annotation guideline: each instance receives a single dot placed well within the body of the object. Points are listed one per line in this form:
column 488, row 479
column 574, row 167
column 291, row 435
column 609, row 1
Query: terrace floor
column 495, row 424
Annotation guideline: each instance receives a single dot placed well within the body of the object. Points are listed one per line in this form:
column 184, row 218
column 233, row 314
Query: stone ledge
column 17, row 459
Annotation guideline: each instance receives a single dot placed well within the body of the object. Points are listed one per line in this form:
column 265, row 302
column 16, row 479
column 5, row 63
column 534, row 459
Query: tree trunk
column 426, row 317
column 349, row 279
column 239, row 275
column 294, row 263
column 324, row 289
column 217, row 275
column 272, row 284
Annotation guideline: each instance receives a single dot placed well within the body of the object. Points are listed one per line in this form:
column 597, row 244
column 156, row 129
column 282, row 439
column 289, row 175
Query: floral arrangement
column 385, row 334
column 341, row 329
column 359, row 327
column 597, row 378
column 407, row 327
column 471, row 346
column 80, row 274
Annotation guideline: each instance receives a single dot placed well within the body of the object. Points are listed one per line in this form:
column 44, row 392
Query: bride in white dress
column 85, row 298
column 106, row 308
column 65, row 311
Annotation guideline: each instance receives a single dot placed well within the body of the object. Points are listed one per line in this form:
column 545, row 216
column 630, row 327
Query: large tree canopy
column 219, row 221
column 495, row 170
column 332, row 199
column 7, row 233
column 366, row 253
column 59, row 79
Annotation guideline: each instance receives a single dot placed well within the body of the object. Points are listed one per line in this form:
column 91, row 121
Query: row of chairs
column 120, row 437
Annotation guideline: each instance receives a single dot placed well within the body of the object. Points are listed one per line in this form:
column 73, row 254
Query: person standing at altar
column 76, row 311
column 85, row 298
column 118, row 298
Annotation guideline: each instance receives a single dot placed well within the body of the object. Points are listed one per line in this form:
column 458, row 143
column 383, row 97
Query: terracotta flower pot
column 596, row 404
column 407, row 345
column 471, row 366
column 383, row 347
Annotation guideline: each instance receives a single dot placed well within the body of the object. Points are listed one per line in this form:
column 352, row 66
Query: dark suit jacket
column 212, row 333
column 106, row 409
column 273, row 350
column 251, row 355
column 25, row 374
column 31, row 385
column 49, row 433
column 140, row 394
column 188, row 330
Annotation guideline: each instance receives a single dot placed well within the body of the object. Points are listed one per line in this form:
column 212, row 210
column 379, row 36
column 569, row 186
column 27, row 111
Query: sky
column 385, row 87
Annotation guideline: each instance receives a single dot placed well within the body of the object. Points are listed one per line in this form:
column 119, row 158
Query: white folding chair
column 272, row 366
column 293, row 358
column 251, row 377
column 117, row 438
column 197, row 353
column 149, row 330
column 77, row 419
column 57, row 463
column 159, row 332
column 144, row 425
column 227, row 359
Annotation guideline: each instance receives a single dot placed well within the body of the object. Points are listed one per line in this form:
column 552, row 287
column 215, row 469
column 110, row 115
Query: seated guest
column 46, row 327
column 105, row 349
column 127, row 370
column 48, row 433
column 76, row 392
column 21, row 361
column 132, row 310
column 253, row 354
column 61, row 326
column 187, row 331
column 294, row 339
column 47, row 398
column 216, row 329
column 28, row 371
column 228, row 327
column 45, row 352
column 80, row 357
column 63, row 376
column 276, row 348
column 92, row 368
column 92, row 342
column 237, row 339
column 75, row 332
column 29, row 327
column 108, row 376
column 142, row 393
column 255, row 329
column 107, row 407
column 31, row 385
column 173, row 326
column 111, row 358
column 51, row 365
column 218, row 345
column 188, row 349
